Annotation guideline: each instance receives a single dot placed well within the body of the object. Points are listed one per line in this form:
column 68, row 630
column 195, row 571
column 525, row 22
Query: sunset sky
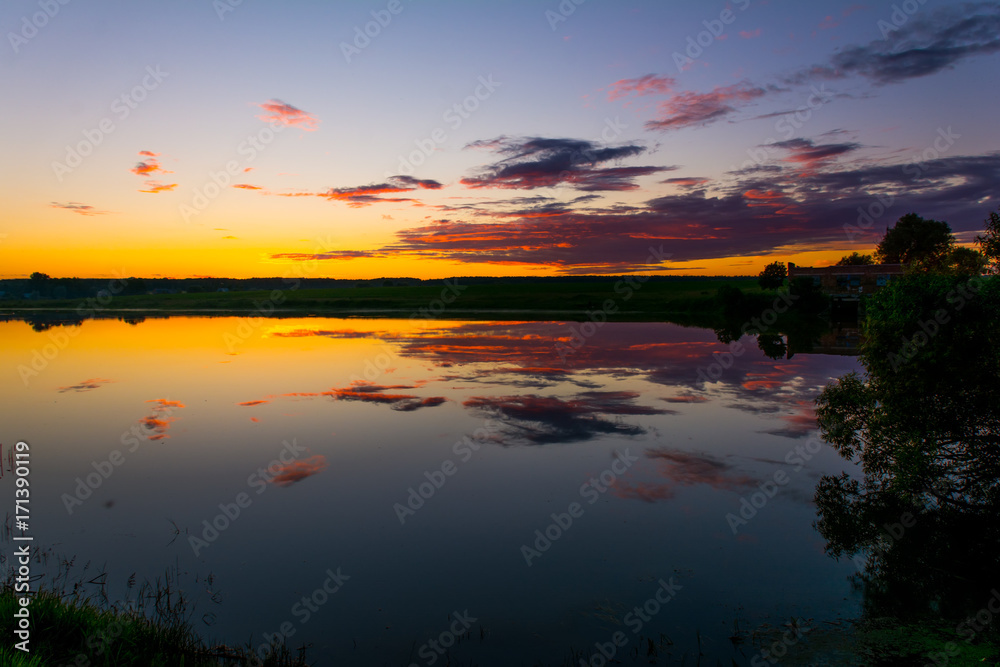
column 244, row 138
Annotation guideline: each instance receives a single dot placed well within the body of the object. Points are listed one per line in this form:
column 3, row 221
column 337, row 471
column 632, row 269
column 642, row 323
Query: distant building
column 847, row 281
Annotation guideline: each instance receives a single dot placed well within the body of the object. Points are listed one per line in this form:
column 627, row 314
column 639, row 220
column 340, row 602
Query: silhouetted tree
column 923, row 422
column 856, row 259
column 915, row 239
column 773, row 276
column 962, row 261
column 772, row 345
column 136, row 286
column 989, row 243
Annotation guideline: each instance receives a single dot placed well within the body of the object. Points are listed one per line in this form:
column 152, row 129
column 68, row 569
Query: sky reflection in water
column 329, row 426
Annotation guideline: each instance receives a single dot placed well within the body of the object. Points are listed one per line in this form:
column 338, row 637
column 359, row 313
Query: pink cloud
column 151, row 165
column 688, row 108
column 645, row 85
column 286, row 114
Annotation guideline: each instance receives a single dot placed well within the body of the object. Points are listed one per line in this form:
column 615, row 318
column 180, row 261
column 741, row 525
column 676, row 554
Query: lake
column 397, row 491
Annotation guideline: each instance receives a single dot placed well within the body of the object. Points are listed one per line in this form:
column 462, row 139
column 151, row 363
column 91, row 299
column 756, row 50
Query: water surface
column 414, row 462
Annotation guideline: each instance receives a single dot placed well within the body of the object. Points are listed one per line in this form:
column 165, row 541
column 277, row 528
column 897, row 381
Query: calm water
column 491, row 424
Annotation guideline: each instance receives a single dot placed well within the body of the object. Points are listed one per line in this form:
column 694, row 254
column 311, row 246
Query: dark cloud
column 363, row 195
column 537, row 162
column 926, row 44
column 521, row 207
column 372, row 393
column 425, row 184
column 543, row 420
column 686, row 399
column 758, row 210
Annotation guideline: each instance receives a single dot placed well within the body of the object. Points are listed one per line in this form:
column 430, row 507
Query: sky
column 241, row 138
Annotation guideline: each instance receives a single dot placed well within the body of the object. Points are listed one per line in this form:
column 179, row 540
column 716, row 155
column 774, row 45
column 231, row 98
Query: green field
column 619, row 300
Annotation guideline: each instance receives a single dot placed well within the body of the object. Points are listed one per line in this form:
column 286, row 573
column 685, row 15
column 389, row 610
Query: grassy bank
column 78, row 633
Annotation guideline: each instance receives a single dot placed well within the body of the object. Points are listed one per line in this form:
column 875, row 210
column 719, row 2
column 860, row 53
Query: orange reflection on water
column 159, row 422
column 296, row 471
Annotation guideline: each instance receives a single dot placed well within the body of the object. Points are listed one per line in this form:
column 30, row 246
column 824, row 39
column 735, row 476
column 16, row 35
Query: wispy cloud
column 689, row 109
column 77, row 207
column 812, row 155
column 926, row 44
column 687, row 181
column 309, row 256
column 683, row 469
column 367, row 392
column 651, row 84
column 286, row 114
column 364, row 195
column 543, row 420
column 155, row 187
